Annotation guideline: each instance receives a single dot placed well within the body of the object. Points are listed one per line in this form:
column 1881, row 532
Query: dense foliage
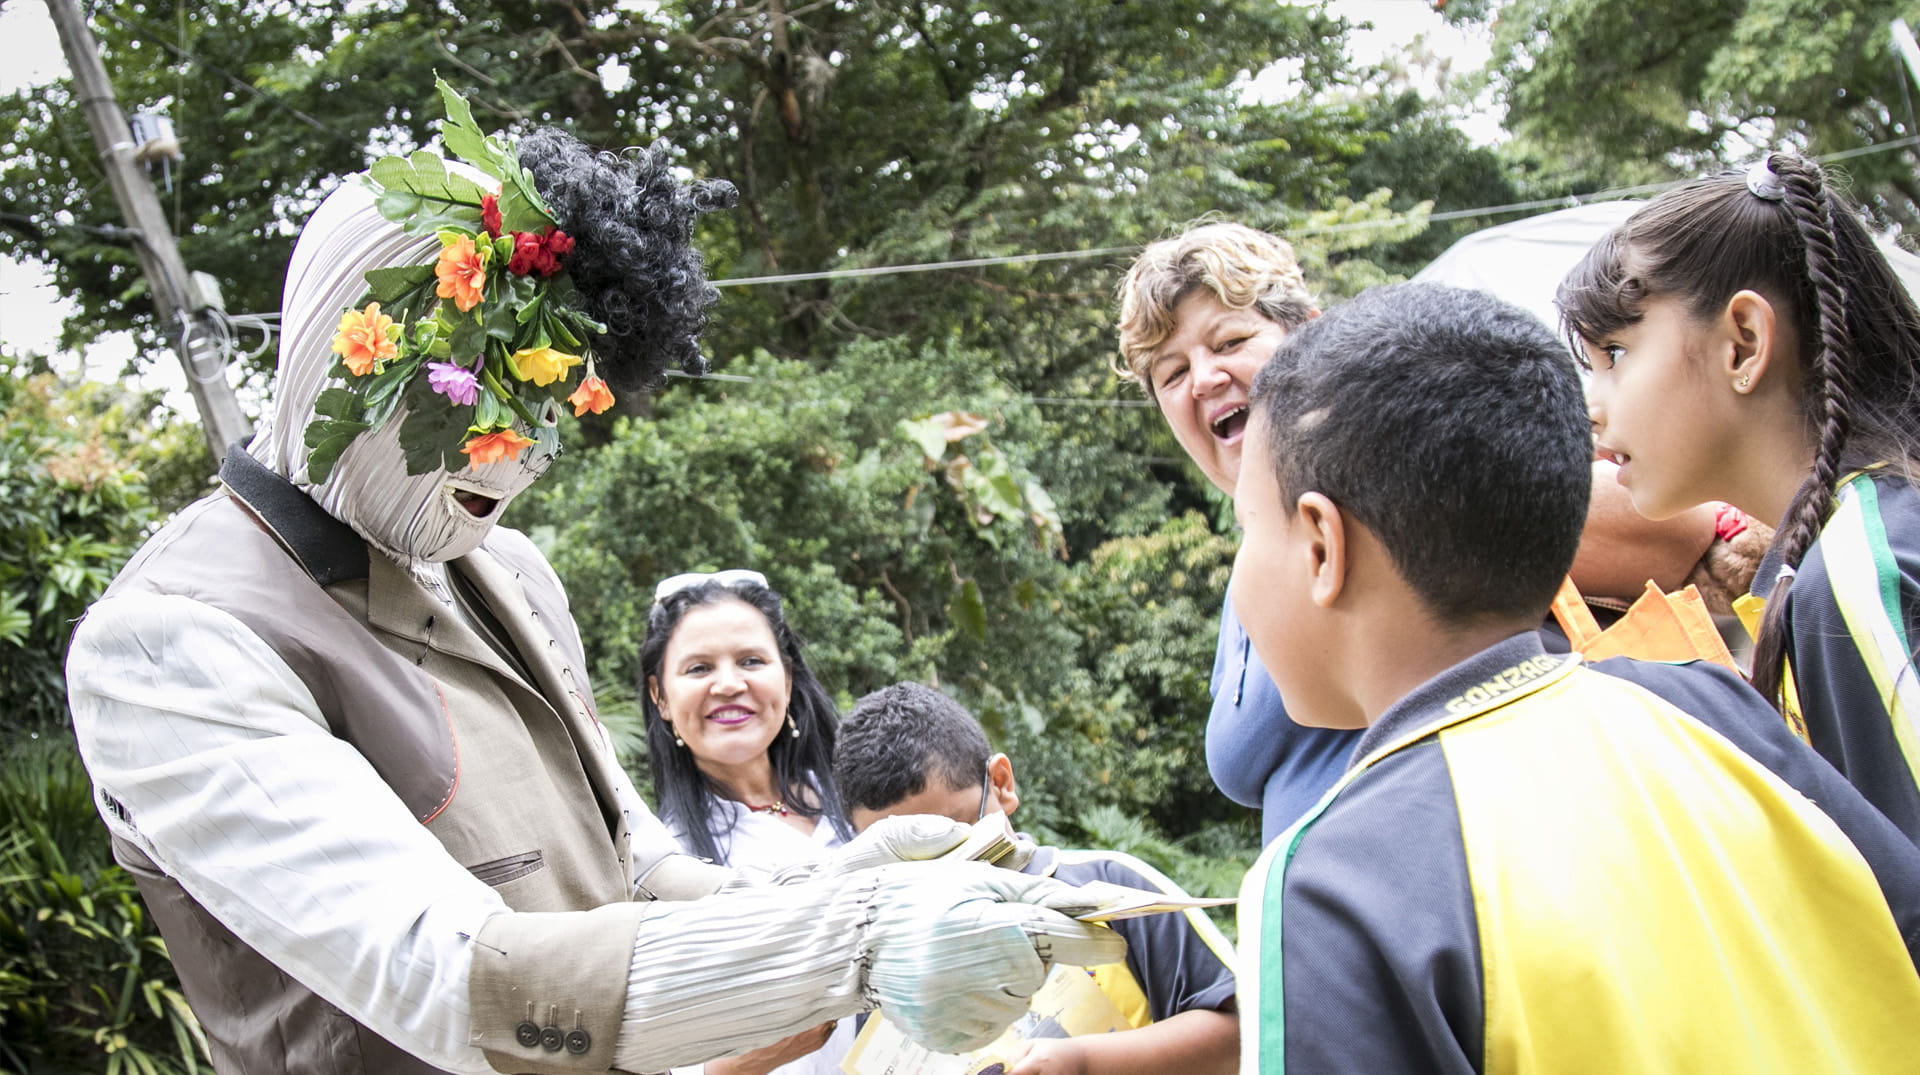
column 938, row 468
column 74, row 502
column 84, row 980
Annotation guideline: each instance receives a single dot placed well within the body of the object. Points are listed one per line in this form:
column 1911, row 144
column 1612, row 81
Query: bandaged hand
column 955, row 949
column 903, row 838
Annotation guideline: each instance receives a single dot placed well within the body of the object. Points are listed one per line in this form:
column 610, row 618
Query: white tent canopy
column 1524, row 261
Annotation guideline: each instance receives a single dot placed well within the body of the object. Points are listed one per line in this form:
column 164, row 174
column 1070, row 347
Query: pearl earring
column 795, row 725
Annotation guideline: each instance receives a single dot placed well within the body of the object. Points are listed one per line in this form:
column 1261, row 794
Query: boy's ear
column 1750, row 328
column 1000, row 776
column 1323, row 544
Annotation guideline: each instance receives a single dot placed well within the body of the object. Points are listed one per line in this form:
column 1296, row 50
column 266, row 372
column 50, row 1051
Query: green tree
column 1638, row 92
column 73, row 505
column 860, row 135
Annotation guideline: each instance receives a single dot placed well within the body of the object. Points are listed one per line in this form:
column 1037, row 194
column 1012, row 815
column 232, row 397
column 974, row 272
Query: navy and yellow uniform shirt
column 1537, row 864
column 1852, row 618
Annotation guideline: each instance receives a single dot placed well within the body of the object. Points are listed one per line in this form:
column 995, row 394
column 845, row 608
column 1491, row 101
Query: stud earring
column 1745, row 382
column 795, row 725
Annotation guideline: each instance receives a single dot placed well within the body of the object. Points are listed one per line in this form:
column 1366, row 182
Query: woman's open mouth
column 1231, row 424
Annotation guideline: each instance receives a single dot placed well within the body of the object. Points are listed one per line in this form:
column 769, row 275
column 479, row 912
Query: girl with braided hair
column 1749, row 344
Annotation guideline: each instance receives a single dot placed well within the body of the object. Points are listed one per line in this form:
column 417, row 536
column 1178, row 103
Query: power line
column 106, row 231
column 1566, row 202
column 929, row 266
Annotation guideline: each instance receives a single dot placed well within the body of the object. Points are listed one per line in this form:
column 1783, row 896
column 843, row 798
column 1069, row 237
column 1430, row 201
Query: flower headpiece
column 490, row 323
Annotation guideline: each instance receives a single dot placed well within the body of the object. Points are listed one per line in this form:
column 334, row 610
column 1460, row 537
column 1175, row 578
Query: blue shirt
column 1258, row 756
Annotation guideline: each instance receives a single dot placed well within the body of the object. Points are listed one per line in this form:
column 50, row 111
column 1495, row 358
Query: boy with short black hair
column 909, row 749
column 1533, row 863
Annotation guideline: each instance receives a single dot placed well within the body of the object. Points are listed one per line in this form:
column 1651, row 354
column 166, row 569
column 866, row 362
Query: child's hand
column 1047, row 1056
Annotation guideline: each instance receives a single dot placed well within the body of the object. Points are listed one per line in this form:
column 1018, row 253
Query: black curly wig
column 633, row 264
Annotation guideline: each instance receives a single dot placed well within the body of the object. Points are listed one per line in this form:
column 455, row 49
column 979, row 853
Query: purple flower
column 453, row 382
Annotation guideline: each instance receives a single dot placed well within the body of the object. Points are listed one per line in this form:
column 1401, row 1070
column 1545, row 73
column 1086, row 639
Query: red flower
column 539, row 254
column 490, row 214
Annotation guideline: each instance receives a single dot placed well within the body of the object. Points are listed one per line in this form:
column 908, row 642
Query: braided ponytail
column 1828, row 394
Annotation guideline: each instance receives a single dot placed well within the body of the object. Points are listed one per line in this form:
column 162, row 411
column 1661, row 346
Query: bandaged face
column 436, row 516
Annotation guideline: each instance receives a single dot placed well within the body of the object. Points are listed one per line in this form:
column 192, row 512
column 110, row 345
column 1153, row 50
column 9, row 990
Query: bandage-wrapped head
column 630, row 267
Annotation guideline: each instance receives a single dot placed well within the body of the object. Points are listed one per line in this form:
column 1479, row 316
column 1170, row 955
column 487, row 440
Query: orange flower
column 592, row 395
column 462, row 272
column 495, row 447
column 365, row 337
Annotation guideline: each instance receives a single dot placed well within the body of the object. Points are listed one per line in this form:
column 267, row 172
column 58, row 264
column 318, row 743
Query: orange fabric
column 1657, row 627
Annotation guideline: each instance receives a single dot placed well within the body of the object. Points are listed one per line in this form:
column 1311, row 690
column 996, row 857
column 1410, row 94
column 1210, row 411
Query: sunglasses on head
column 730, row 577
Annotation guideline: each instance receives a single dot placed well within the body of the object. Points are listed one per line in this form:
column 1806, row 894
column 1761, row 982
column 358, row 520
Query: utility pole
column 173, row 292
column 1904, row 45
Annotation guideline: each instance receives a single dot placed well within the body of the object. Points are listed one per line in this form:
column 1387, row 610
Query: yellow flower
column 462, row 272
column 543, row 365
column 494, row 447
column 364, row 338
column 592, row 395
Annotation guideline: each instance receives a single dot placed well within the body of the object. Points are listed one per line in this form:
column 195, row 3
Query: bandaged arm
column 226, row 776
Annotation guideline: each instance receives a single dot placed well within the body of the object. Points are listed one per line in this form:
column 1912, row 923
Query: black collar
column 326, row 548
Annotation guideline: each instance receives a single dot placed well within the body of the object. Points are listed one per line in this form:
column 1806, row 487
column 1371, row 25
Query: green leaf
column 14, row 621
column 325, row 440
column 339, row 403
column 930, row 434
column 521, row 208
column 489, row 412
column 392, row 285
column 512, row 295
column 968, row 610
column 998, row 491
column 425, row 174
column 390, row 381
column 469, row 335
column 420, row 215
column 432, row 432
column 463, row 136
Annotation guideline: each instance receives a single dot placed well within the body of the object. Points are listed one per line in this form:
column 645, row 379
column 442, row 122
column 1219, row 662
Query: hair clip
column 1764, row 182
column 673, row 585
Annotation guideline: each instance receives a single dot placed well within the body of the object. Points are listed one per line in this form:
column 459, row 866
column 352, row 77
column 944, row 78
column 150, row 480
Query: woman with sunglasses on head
column 740, row 747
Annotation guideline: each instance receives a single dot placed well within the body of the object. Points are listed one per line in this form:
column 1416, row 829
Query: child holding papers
column 908, row 749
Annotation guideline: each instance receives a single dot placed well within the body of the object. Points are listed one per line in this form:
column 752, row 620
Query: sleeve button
column 527, row 1034
column 578, row 1042
column 550, row 1038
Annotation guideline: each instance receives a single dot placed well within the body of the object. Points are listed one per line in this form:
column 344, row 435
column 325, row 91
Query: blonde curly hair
column 1243, row 267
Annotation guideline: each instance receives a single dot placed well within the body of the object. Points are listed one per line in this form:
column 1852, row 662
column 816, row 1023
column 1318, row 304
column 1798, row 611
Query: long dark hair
column 802, row 765
column 1809, row 255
